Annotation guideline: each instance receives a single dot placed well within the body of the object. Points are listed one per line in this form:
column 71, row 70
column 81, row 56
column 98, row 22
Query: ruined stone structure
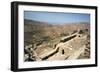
column 70, row 47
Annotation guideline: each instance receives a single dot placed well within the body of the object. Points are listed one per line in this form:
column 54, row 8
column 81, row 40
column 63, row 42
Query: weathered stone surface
column 70, row 47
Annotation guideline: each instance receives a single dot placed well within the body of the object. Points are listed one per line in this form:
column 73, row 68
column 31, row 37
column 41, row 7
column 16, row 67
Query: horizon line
column 55, row 22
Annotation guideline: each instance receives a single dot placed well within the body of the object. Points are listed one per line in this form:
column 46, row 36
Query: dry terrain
column 44, row 41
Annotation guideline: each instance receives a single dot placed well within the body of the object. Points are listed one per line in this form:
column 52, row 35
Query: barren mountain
column 47, row 43
column 40, row 30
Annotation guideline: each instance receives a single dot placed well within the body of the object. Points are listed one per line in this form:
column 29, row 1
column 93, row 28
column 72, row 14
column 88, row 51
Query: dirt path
column 72, row 49
column 77, row 53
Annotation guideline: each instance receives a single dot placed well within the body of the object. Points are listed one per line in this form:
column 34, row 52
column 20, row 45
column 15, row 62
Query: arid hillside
column 40, row 30
column 44, row 41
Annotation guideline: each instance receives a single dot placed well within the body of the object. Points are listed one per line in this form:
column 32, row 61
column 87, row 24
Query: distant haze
column 57, row 17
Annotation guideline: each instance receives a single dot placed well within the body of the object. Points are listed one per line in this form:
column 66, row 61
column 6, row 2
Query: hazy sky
column 57, row 17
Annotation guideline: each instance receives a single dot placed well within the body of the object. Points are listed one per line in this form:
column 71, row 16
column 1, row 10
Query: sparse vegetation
column 46, row 37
